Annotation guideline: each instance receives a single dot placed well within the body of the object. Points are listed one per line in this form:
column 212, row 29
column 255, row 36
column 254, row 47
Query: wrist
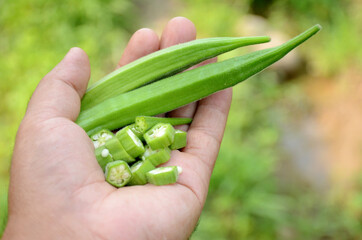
column 40, row 228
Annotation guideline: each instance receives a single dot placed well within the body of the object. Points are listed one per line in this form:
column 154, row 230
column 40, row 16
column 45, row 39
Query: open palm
column 57, row 189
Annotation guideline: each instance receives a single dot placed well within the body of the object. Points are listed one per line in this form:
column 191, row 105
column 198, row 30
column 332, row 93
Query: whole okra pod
column 160, row 64
column 178, row 90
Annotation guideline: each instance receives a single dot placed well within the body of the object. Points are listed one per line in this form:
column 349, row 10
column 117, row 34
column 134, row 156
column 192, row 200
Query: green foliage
column 3, row 205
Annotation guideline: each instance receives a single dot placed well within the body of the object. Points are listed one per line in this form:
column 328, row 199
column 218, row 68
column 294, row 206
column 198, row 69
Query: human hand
column 58, row 191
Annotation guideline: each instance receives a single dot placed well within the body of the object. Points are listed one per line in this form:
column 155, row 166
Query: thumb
column 60, row 91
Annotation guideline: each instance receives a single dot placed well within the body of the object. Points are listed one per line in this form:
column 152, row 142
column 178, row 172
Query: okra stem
column 178, row 90
column 144, row 123
column 160, row 64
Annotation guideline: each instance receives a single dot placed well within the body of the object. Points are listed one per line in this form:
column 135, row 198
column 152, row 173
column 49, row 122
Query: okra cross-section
column 118, row 173
column 139, row 170
column 100, row 138
column 158, row 156
column 163, row 175
column 160, row 136
column 131, row 143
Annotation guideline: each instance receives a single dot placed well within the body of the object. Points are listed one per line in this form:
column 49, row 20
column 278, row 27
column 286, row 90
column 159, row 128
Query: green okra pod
column 130, row 142
column 137, row 131
column 103, row 156
column 181, row 89
column 179, row 140
column 117, row 151
column 160, row 136
column 118, row 173
column 158, row 156
column 139, row 170
column 100, row 138
column 159, row 64
column 144, row 123
column 163, row 175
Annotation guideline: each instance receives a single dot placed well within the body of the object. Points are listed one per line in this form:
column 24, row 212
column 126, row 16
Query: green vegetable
column 163, row 175
column 157, row 157
column 103, row 156
column 139, row 170
column 118, row 173
column 131, row 143
column 100, row 138
column 144, row 123
column 179, row 140
column 117, row 151
column 160, row 136
column 136, row 131
column 178, row 90
column 159, row 64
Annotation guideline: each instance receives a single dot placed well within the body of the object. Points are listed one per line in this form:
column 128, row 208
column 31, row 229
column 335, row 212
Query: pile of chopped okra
column 133, row 154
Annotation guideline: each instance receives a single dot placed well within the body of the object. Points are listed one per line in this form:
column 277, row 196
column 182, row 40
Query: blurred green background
column 290, row 162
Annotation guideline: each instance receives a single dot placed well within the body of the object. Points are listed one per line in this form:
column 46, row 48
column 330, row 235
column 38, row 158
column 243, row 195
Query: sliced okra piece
column 118, row 173
column 139, row 170
column 100, row 138
column 103, row 156
column 145, row 123
column 163, row 175
column 131, row 143
column 160, row 136
column 158, row 156
column 117, row 151
column 179, row 140
column 135, row 129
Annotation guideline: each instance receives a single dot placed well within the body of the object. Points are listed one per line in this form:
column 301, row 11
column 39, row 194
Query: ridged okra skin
column 180, row 140
column 145, row 123
column 135, row 129
column 160, row 136
column 157, row 157
column 163, row 175
column 178, row 90
column 131, row 143
column 139, row 170
column 117, row 151
column 103, row 156
column 160, row 64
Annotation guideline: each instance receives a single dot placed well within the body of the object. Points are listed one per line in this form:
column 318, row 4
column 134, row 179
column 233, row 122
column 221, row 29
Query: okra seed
column 105, row 152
